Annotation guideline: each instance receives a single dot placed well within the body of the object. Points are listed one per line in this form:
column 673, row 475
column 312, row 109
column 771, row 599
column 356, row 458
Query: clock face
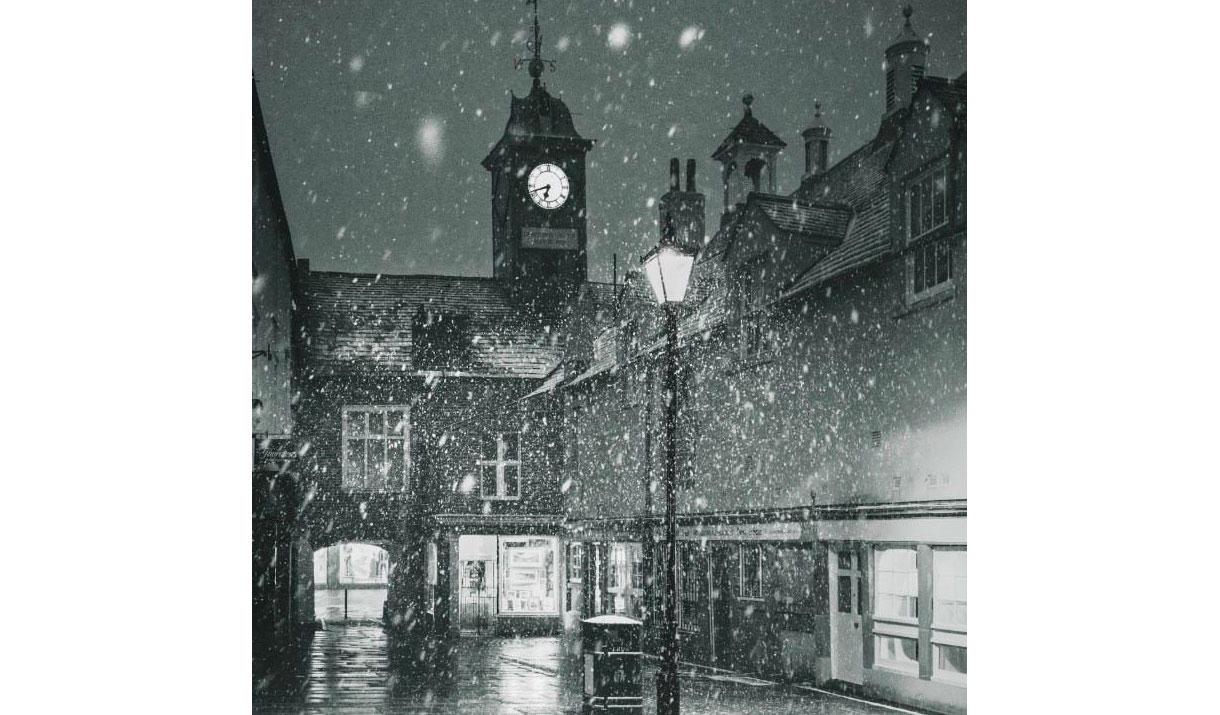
column 548, row 186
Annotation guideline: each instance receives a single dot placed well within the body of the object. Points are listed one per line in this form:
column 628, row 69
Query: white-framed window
column 751, row 571
column 927, row 202
column 375, row 446
column 897, row 584
column 929, row 269
column 949, row 615
column 500, row 475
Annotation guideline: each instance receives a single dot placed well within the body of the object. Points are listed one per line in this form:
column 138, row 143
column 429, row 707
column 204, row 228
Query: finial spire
column 817, row 109
column 747, row 100
column 537, row 64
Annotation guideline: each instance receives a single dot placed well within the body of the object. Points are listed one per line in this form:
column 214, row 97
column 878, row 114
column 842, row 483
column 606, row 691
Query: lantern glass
column 668, row 269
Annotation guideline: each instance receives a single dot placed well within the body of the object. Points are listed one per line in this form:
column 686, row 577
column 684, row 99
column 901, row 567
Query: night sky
column 380, row 112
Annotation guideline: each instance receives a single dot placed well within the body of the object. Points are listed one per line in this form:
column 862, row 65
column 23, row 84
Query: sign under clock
column 548, row 186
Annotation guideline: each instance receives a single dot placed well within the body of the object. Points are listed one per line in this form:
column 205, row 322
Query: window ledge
column 747, row 364
column 955, row 679
column 483, row 498
column 923, row 302
column 912, row 672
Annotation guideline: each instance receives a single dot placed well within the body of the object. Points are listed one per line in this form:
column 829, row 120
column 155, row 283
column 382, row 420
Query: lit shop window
column 897, row 652
column 949, row 615
column 374, row 447
column 529, row 575
column 897, row 589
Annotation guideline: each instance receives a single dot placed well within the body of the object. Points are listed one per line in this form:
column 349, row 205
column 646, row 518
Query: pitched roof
column 950, row 92
column 859, row 181
column 748, row 131
column 363, row 322
column 795, row 216
column 823, row 220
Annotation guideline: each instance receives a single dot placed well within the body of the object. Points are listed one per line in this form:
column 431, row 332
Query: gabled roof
column 748, row 131
column 950, row 92
column 362, row 322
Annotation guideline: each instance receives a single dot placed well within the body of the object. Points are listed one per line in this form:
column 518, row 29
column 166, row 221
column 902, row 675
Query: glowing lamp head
column 668, row 269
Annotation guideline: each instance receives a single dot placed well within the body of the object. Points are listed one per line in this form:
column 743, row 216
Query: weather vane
column 537, row 63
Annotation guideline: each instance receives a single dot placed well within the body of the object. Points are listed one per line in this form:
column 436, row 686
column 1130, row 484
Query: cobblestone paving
column 350, row 673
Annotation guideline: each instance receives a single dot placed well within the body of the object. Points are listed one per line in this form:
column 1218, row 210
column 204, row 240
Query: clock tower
column 538, row 210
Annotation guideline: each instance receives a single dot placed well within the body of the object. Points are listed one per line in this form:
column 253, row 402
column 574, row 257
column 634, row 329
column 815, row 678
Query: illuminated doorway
column 350, row 582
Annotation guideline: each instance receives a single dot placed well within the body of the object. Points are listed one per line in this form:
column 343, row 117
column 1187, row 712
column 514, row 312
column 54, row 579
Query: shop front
column 504, row 583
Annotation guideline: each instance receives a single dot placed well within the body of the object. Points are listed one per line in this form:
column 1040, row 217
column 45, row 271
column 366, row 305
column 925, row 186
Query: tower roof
column 818, row 127
column 906, row 37
column 535, row 116
column 748, row 131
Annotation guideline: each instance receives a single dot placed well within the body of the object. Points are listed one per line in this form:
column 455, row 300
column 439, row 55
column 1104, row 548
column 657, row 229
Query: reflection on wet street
column 362, row 604
column 351, row 671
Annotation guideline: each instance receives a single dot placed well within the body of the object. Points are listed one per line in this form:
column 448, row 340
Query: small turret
column 817, row 144
column 905, row 62
column 748, row 157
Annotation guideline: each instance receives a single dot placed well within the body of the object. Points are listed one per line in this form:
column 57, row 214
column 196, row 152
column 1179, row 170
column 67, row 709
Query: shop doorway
column 846, row 615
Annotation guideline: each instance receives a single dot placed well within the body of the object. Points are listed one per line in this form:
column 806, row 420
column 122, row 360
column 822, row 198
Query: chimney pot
column 690, row 175
column 673, row 174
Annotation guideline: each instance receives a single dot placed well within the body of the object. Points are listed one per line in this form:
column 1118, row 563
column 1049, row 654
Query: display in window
column 529, row 576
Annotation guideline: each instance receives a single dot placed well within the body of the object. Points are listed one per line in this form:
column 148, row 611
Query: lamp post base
column 667, row 694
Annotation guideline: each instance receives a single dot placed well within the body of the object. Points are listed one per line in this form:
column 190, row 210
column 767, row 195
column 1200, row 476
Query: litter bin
column 612, row 651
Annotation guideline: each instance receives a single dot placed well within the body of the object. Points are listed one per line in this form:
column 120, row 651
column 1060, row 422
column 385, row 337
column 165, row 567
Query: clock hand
column 546, row 188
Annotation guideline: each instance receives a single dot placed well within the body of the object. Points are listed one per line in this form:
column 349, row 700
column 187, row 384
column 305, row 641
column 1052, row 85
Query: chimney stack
column 682, row 212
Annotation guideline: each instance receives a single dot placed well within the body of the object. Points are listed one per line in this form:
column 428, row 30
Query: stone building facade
column 822, row 417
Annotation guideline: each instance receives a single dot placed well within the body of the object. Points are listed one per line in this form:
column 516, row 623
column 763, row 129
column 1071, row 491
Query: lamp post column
column 667, row 680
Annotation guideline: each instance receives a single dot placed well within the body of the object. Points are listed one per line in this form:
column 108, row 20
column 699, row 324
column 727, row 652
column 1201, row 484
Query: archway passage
column 351, row 581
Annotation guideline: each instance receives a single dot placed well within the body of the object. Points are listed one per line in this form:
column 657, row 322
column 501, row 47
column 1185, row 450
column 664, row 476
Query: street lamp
column 668, row 268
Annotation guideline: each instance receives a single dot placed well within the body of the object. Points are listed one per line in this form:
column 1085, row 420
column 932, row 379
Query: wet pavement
column 351, row 672
column 362, row 604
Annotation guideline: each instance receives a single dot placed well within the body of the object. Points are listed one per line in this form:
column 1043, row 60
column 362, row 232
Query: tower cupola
column 747, row 157
column 906, row 59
